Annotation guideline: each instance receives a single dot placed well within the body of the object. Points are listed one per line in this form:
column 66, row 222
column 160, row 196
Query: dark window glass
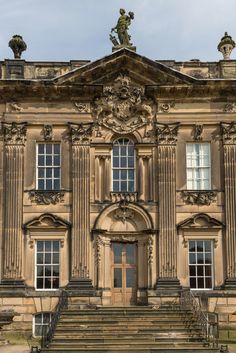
column 117, row 278
column 130, row 278
column 117, row 248
column 130, row 254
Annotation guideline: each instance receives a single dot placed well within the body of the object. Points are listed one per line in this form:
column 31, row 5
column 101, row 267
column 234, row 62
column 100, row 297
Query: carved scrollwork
column 14, row 133
column 46, row 197
column 150, row 250
column 228, row 131
column 199, row 197
column 122, row 108
column 15, row 107
column 82, row 107
column 81, row 133
column 166, row 107
column 166, row 133
column 47, row 132
column 197, row 132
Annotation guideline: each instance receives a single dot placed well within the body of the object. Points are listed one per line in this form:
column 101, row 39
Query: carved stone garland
column 46, row 197
column 122, row 108
column 14, row 137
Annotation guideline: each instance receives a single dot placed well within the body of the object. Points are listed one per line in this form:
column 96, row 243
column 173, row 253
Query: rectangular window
column 47, row 264
column 198, row 166
column 48, row 166
column 41, row 323
column 201, row 264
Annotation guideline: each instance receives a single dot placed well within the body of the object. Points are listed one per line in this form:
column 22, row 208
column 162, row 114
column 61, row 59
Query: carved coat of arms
column 122, row 107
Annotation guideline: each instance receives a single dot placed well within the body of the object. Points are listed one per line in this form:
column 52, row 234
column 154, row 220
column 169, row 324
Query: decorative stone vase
column 17, row 45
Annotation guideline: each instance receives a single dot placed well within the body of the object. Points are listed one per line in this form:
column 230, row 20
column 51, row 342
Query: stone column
column 14, row 137
column 80, row 252
column 166, row 151
column 229, row 148
column 107, row 179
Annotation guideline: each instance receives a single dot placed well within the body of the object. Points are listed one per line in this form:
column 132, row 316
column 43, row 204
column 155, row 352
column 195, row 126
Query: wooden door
column 124, row 273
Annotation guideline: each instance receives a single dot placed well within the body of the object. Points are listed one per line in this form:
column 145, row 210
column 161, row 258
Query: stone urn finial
column 17, row 45
column 226, row 46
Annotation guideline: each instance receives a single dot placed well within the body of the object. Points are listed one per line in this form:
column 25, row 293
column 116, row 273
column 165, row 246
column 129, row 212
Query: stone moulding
column 46, row 197
column 199, row 197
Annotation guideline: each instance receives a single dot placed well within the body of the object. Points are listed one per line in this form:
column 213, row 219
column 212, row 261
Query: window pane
column 200, row 282
column 49, row 172
column 208, row 282
column 48, row 184
column 40, row 258
column 41, row 160
column 55, row 245
column 192, row 282
column 56, row 283
column 130, row 254
column 40, row 271
column 130, row 278
column 199, row 246
column 39, row 283
column 192, row 271
column 200, row 271
column 56, row 148
column 41, row 148
column 117, row 249
column 56, row 172
column 48, row 148
column 115, row 162
column 192, row 258
column 56, row 160
column 115, row 186
column 40, row 245
column 56, row 184
column 41, row 172
column 117, row 278
column 192, row 246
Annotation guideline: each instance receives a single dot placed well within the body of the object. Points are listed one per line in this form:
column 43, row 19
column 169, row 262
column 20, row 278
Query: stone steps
column 131, row 329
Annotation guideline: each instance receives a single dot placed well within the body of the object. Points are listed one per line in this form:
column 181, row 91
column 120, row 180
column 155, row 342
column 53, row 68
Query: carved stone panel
column 200, row 198
column 46, row 197
column 123, row 108
column 166, row 133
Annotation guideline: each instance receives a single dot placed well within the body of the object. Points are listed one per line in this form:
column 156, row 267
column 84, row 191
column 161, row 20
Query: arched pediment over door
column 125, row 223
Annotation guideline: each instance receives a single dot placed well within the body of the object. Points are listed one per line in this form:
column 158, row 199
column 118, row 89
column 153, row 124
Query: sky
column 63, row 30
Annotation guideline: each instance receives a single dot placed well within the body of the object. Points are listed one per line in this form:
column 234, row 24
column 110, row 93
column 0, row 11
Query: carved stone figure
column 121, row 29
column 122, row 107
column 197, row 132
column 47, row 132
column 17, row 45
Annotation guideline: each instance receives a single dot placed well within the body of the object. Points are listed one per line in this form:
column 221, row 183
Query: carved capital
column 199, row 197
column 81, row 133
column 47, row 132
column 14, row 133
column 166, row 134
column 228, row 131
column 46, row 197
column 197, row 132
column 123, row 108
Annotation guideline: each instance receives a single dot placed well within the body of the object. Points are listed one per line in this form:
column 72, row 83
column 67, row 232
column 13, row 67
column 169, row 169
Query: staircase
column 168, row 329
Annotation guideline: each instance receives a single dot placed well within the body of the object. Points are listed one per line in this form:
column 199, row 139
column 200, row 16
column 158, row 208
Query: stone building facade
column 117, row 183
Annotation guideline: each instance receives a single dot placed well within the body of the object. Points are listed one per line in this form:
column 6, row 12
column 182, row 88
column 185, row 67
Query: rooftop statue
column 121, row 29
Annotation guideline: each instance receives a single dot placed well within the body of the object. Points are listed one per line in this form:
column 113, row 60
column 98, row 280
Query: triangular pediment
column 140, row 69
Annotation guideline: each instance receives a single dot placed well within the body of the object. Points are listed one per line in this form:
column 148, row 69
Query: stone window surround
column 210, row 229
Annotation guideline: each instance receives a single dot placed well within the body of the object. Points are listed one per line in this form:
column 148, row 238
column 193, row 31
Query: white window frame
column 42, row 324
column 46, row 167
column 199, row 168
column 43, row 264
column 203, row 265
column 124, row 168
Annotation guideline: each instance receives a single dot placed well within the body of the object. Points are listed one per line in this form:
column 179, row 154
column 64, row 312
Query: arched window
column 123, row 165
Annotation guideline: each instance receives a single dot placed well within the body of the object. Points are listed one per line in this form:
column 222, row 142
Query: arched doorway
column 125, row 249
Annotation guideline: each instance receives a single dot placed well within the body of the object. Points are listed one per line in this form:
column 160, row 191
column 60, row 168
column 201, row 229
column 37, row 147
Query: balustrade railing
column 48, row 330
column 207, row 321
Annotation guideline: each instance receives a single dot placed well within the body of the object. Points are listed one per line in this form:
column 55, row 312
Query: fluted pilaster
column 166, row 154
column 80, row 136
column 229, row 148
column 14, row 137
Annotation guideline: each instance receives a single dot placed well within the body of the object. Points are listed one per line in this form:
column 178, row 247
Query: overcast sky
column 62, row 30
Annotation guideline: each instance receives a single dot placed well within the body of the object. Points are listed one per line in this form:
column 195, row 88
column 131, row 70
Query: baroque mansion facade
column 117, row 184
